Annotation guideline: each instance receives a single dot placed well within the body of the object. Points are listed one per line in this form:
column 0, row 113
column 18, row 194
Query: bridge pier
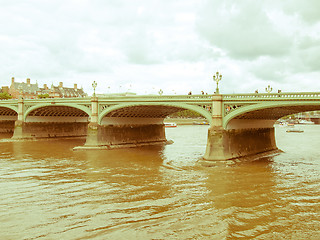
column 34, row 130
column 116, row 136
column 236, row 143
column 7, row 126
column 18, row 132
column 226, row 144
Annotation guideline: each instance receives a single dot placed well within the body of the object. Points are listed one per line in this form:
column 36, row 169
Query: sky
column 177, row 46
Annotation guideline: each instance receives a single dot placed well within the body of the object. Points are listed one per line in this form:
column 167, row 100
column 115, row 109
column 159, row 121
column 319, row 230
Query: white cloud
column 308, row 11
column 243, row 29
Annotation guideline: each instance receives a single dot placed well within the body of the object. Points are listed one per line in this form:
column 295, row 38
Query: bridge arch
column 10, row 107
column 83, row 109
column 175, row 107
column 270, row 111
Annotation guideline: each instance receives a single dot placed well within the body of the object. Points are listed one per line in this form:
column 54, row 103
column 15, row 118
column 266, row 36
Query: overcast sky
column 177, row 46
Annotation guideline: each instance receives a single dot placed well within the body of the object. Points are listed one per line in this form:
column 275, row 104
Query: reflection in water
column 244, row 197
column 49, row 191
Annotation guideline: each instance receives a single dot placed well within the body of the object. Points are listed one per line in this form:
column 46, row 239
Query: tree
column 5, row 95
column 186, row 114
column 46, row 95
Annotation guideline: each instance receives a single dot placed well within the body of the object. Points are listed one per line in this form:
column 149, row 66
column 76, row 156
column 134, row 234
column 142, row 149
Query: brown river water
column 49, row 191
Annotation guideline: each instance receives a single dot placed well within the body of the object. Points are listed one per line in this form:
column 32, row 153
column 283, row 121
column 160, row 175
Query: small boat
column 170, row 124
column 305, row 122
column 201, row 123
column 293, row 129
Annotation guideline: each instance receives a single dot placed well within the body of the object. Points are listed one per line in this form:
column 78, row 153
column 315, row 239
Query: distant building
column 31, row 91
column 4, row 89
column 27, row 90
column 63, row 92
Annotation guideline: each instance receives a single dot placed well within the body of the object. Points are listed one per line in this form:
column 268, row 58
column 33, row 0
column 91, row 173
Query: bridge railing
column 160, row 96
column 204, row 97
column 287, row 95
column 117, row 98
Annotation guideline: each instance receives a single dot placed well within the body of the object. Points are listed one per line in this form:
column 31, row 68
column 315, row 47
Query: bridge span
column 240, row 124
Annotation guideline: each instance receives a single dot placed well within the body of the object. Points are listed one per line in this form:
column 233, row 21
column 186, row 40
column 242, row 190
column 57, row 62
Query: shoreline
column 186, row 121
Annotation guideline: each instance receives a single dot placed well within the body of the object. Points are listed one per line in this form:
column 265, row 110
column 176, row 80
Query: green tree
column 46, row 95
column 185, row 114
column 5, row 95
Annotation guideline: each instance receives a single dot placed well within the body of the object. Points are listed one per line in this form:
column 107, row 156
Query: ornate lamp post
column 217, row 79
column 94, row 85
column 269, row 89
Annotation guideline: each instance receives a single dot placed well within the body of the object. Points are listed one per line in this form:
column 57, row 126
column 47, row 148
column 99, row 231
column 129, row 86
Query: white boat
column 295, row 130
column 170, row 124
column 200, row 123
column 292, row 128
column 302, row 121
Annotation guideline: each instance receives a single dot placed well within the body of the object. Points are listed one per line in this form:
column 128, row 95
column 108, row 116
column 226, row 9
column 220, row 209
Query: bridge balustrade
column 315, row 95
column 162, row 97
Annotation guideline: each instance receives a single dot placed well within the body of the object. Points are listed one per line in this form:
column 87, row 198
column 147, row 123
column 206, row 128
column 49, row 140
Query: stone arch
column 76, row 106
column 182, row 106
column 287, row 109
column 10, row 107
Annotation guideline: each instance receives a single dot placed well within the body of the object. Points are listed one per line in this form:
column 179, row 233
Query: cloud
column 271, row 42
column 310, row 58
column 308, row 11
column 242, row 29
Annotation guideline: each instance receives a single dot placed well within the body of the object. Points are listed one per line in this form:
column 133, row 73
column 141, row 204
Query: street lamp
column 217, row 79
column 94, row 85
column 269, row 89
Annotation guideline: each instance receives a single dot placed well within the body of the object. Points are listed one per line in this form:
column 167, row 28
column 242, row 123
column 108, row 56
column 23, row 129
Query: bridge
column 240, row 124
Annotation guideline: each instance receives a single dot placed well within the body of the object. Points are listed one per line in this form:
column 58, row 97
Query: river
column 49, row 191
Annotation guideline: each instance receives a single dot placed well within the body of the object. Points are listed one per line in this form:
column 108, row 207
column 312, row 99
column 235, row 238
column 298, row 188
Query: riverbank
column 186, row 121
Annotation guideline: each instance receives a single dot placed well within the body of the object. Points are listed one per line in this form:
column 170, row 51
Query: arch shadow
column 178, row 106
column 286, row 108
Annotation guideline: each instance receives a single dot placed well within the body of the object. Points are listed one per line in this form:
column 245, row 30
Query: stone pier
column 30, row 130
column 7, row 126
column 116, row 136
column 121, row 133
column 235, row 143
column 35, row 127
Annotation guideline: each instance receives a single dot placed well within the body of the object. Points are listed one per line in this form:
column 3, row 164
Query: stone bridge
column 240, row 124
